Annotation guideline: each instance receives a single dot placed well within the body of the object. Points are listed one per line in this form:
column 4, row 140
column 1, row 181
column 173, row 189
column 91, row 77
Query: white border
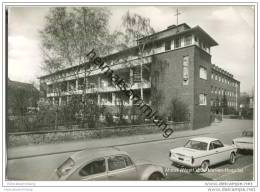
column 124, row 183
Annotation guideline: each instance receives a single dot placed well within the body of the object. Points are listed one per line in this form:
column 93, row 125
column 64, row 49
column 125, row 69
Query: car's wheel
column 204, row 167
column 156, row 176
column 232, row 158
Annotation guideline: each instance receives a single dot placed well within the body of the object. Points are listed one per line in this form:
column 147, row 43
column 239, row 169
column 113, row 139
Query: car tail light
column 233, row 142
column 192, row 159
column 170, row 154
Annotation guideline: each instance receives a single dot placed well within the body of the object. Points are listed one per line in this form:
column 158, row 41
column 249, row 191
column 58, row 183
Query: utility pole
column 177, row 18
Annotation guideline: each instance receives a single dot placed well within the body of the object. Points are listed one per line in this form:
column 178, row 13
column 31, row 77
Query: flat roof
column 164, row 34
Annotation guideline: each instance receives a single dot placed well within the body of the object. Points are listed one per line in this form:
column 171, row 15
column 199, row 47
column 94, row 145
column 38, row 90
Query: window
column 198, row 145
column 167, row 45
column 216, row 77
column 185, row 70
column 195, row 38
column 203, row 99
column 212, row 76
column 215, row 144
column 95, row 167
column 187, row 40
column 203, row 73
column 119, row 162
column 177, row 43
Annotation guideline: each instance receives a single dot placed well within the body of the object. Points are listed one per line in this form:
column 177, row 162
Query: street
column 41, row 167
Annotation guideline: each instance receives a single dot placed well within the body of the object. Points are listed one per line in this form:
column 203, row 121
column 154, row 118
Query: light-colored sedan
column 202, row 152
column 245, row 142
column 106, row 164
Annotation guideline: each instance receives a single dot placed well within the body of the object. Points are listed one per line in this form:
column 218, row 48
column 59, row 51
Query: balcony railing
column 96, row 71
column 144, row 85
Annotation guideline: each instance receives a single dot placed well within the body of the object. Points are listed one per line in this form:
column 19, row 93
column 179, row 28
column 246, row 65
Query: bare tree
column 70, row 33
column 137, row 27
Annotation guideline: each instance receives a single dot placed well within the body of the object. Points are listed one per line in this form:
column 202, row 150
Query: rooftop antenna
column 177, row 17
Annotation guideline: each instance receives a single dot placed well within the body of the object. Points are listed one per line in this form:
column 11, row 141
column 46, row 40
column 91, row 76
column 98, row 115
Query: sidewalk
column 73, row 146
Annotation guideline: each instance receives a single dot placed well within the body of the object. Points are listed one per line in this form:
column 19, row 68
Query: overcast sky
column 231, row 26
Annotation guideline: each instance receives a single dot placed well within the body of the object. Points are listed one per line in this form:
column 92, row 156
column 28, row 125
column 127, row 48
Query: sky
column 231, row 26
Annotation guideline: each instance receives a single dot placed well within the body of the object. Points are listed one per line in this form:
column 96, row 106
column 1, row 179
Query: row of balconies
column 108, row 99
column 77, row 91
column 94, row 70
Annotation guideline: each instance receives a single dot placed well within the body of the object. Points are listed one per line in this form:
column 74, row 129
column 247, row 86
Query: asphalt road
column 40, row 168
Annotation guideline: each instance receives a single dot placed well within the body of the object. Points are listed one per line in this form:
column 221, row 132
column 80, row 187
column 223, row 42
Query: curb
column 76, row 150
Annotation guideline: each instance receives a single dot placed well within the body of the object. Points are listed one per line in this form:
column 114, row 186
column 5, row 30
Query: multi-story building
column 223, row 85
column 174, row 63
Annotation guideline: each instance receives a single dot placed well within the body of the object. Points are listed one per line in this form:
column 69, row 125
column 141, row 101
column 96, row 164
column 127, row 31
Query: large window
column 94, row 167
column 167, row 45
column 177, row 42
column 203, row 73
column 203, row 99
column 187, row 40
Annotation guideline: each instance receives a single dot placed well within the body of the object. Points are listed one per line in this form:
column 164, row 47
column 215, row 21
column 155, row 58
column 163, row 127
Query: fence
column 56, row 136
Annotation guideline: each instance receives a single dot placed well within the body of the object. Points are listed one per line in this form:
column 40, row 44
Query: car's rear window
column 198, row 145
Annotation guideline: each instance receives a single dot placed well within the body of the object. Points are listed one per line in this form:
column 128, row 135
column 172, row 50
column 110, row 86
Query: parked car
column 106, row 164
column 202, row 152
column 246, row 141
